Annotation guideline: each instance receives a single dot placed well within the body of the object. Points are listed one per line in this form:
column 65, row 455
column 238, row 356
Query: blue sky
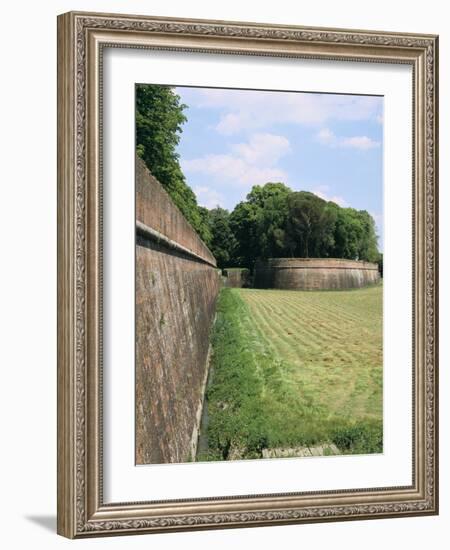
column 329, row 144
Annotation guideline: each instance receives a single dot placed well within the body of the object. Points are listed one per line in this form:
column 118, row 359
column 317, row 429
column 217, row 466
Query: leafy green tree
column 159, row 120
column 272, row 200
column 244, row 225
column 258, row 223
column 206, row 231
column 222, row 242
column 355, row 235
column 310, row 225
column 274, row 221
column 347, row 234
column 368, row 245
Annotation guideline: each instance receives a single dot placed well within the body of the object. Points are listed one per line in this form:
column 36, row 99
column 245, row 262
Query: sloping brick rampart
column 176, row 290
column 314, row 273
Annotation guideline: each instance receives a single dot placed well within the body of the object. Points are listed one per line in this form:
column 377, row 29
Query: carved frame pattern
column 81, row 37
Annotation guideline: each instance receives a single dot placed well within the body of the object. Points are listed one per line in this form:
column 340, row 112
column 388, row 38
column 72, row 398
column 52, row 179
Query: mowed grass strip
column 333, row 339
column 292, row 368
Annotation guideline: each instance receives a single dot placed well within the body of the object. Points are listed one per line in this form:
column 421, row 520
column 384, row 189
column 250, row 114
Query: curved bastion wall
column 314, row 273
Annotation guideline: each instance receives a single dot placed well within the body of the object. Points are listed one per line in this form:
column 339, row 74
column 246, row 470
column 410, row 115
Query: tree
column 368, row 246
column 244, row 225
column 206, row 233
column 355, row 235
column 347, row 234
column 222, row 242
column 159, row 120
column 310, row 225
column 275, row 221
column 258, row 223
column 272, row 200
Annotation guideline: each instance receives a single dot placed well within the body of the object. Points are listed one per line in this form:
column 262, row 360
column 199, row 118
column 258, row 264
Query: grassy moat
column 292, row 370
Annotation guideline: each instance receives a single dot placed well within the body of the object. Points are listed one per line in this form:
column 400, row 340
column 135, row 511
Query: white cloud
column 233, row 169
column 263, row 148
column 229, row 124
column 359, row 142
column 250, row 109
column 210, row 198
column 364, row 143
column 250, row 163
column 326, row 137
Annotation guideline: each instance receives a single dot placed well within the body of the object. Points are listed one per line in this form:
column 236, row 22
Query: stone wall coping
column 154, row 235
column 316, row 263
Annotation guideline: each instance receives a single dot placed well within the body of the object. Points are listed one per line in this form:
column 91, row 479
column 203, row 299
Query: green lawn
column 292, row 369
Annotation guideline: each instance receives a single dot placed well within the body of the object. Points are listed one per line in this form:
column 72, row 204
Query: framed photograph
column 247, row 274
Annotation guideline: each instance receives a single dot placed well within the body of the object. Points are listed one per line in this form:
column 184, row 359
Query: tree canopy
column 310, row 226
column 159, row 119
column 258, row 223
column 275, row 221
column 223, row 242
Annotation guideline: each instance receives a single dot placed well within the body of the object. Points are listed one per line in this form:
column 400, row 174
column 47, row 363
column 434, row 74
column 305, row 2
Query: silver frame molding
column 81, row 37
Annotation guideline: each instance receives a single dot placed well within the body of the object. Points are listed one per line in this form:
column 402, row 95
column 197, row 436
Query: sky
column 329, row 144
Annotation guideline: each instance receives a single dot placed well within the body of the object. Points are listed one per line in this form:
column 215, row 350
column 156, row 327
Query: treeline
column 273, row 221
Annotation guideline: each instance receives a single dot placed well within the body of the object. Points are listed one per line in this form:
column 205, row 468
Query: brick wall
column 176, row 289
column 314, row 273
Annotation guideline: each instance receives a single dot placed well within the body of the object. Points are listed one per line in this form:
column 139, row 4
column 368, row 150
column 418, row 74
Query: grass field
column 292, row 369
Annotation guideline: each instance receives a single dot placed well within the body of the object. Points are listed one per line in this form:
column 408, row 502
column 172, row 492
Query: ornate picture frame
column 82, row 38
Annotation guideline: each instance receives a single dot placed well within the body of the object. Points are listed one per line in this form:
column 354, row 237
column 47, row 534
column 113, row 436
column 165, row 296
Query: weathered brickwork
column 155, row 209
column 175, row 306
column 314, row 273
